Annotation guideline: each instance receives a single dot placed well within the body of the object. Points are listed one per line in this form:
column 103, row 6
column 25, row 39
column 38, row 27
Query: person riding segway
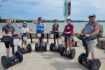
column 89, row 38
column 8, row 37
column 40, row 27
column 24, row 36
column 66, row 50
column 55, row 35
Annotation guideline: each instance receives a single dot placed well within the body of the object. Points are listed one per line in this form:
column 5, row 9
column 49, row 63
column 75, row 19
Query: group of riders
column 92, row 28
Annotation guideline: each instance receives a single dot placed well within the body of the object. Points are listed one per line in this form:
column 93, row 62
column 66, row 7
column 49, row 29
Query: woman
column 68, row 33
column 40, row 28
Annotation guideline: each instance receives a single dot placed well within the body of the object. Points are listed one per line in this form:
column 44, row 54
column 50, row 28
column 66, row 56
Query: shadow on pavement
column 1, row 67
column 51, row 55
column 67, row 65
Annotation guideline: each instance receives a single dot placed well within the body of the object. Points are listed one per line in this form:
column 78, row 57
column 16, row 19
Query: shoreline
column 50, row 21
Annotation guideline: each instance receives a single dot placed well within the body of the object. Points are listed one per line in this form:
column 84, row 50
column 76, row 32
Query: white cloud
column 80, row 8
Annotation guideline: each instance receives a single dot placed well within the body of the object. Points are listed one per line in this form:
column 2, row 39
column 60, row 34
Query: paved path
column 51, row 61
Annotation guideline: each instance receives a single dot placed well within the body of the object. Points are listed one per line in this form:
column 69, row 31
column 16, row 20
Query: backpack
column 100, row 34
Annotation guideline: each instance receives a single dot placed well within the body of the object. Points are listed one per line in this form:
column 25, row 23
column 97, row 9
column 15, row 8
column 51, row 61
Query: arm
column 14, row 32
column 34, row 22
column 44, row 25
column 97, row 29
column 18, row 25
column 81, row 32
column 71, row 30
column 58, row 28
column 4, row 34
column 36, row 27
column 27, row 30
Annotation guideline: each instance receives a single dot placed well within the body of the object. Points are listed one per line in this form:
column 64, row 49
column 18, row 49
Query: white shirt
column 24, row 30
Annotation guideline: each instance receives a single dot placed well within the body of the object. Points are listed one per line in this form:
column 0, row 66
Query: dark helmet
column 24, row 24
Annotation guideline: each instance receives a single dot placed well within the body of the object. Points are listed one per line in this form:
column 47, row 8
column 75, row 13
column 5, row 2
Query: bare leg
column 41, row 41
column 38, row 40
column 25, row 43
column 22, row 43
column 68, row 46
column 70, row 43
column 65, row 44
column 58, row 41
column 92, row 55
column 7, row 51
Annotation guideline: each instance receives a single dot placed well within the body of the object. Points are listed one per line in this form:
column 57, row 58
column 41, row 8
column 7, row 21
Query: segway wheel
column 19, row 56
column 22, row 50
column 29, row 48
column 61, row 50
column 58, row 48
column 5, row 62
column 95, row 64
column 51, row 46
column 36, row 47
column 18, row 47
column 81, row 58
column 72, row 53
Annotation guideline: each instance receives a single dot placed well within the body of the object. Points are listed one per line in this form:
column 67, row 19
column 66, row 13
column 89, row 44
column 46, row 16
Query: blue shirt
column 89, row 28
column 39, row 27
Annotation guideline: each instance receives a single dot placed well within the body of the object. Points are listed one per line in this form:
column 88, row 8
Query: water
column 77, row 26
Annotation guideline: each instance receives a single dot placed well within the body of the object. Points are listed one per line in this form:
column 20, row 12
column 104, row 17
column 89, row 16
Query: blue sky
column 51, row 9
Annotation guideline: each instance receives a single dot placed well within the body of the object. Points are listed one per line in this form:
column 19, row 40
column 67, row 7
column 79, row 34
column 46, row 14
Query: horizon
column 50, row 9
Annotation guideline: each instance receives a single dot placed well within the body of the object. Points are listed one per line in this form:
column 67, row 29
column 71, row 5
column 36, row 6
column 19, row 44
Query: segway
column 23, row 50
column 53, row 46
column 10, row 61
column 63, row 52
column 28, row 48
column 90, row 64
column 41, row 46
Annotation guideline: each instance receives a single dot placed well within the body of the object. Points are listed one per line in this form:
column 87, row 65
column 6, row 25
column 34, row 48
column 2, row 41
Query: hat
column 25, row 23
column 93, row 15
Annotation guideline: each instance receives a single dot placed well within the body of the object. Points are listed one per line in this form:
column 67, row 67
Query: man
column 68, row 32
column 8, row 31
column 40, row 27
column 91, row 29
column 55, row 29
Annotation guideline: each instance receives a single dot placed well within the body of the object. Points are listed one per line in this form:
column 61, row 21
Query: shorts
column 91, row 44
column 9, row 44
column 41, row 32
column 68, row 38
column 24, row 37
column 56, row 34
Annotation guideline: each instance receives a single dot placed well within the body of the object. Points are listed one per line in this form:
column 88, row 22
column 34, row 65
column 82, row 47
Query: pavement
column 51, row 60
